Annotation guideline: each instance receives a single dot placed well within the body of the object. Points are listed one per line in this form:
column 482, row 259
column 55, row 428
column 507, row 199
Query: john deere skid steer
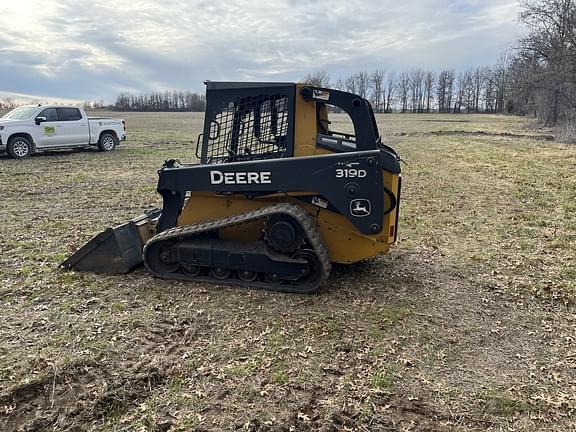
column 276, row 197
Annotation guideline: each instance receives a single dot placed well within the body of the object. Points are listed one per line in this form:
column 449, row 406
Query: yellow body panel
column 345, row 244
column 306, row 128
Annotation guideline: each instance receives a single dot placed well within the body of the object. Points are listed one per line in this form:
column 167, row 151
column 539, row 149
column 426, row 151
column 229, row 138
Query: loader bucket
column 116, row 250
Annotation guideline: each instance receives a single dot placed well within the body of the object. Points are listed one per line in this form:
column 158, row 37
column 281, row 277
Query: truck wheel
column 108, row 142
column 19, row 147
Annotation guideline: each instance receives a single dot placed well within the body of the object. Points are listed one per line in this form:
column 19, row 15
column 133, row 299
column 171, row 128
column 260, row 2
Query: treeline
column 478, row 90
column 542, row 73
column 537, row 78
column 176, row 100
column 8, row 103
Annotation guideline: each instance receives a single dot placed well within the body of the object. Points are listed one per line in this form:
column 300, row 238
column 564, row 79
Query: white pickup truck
column 36, row 128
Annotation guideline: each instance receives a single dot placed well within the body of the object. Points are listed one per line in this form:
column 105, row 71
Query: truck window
column 70, row 114
column 50, row 114
column 21, row 113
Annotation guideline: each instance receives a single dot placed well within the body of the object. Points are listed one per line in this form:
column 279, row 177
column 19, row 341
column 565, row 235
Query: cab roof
column 236, row 85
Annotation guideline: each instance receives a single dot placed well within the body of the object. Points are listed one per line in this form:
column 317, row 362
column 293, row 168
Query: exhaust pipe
column 116, row 250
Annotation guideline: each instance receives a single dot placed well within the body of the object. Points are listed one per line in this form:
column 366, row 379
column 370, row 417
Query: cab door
column 48, row 133
column 74, row 126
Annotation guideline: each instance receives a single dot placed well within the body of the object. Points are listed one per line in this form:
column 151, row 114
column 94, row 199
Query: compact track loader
column 276, row 197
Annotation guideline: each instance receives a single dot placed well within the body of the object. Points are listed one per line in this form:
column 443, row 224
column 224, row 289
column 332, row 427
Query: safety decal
column 49, row 130
column 317, row 201
column 360, row 207
column 321, row 94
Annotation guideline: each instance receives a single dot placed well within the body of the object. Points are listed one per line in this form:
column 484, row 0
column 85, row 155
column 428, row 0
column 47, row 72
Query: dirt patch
column 87, row 391
column 445, row 120
column 480, row 134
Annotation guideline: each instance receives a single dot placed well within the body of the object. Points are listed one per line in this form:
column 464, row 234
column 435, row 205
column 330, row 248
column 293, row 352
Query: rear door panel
column 74, row 126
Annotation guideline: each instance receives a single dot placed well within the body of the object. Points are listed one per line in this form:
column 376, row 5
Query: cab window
column 335, row 128
column 50, row 113
column 70, row 114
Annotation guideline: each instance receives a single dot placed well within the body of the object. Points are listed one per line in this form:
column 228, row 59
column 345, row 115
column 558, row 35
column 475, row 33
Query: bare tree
column 358, row 83
column 362, row 83
column 500, row 78
column 404, row 90
column 445, row 90
column 390, row 90
column 9, row 103
column 460, row 93
column 489, row 92
column 468, row 95
column 548, row 51
column 318, row 79
column 429, row 80
column 416, row 89
column 378, row 95
column 340, row 85
column 350, row 84
column 477, row 82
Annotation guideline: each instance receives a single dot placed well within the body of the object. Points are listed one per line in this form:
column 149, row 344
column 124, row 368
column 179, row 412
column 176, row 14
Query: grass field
column 467, row 325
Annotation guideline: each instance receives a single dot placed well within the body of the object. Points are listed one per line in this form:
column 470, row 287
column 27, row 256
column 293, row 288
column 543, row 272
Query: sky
column 93, row 50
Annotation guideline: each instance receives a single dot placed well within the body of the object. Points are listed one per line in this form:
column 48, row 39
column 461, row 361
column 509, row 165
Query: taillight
column 124, row 125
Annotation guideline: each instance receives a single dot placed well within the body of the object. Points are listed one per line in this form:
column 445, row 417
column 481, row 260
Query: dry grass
column 468, row 324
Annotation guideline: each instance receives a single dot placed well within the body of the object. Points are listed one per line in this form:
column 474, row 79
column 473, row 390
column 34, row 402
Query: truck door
column 74, row 126
column 48, row 133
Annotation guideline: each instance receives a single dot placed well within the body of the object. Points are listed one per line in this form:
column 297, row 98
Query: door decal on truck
column 49, row 130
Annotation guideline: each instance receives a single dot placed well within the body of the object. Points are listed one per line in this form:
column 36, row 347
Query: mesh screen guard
column 248, row 124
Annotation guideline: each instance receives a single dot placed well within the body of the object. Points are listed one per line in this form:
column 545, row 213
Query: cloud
column 62, row 49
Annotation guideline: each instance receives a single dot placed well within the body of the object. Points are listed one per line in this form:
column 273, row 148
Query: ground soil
column 467, row 325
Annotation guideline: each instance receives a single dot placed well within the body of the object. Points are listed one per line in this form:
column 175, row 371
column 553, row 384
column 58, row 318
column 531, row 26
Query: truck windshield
column 22, row 113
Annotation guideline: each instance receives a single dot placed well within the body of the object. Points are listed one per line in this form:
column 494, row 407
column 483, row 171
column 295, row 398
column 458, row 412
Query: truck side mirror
column 39, row 120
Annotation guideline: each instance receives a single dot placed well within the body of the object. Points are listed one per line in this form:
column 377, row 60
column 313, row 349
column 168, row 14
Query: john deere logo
column 360, row 207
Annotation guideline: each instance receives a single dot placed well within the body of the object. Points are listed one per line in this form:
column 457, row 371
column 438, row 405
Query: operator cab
column 257, row 121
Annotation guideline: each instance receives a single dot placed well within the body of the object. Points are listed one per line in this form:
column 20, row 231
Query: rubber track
column 306, row 221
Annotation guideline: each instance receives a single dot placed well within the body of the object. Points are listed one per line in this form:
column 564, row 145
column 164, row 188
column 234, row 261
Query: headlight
column 1, row 127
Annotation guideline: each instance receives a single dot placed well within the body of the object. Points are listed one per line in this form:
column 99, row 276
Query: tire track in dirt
column 83, row 393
